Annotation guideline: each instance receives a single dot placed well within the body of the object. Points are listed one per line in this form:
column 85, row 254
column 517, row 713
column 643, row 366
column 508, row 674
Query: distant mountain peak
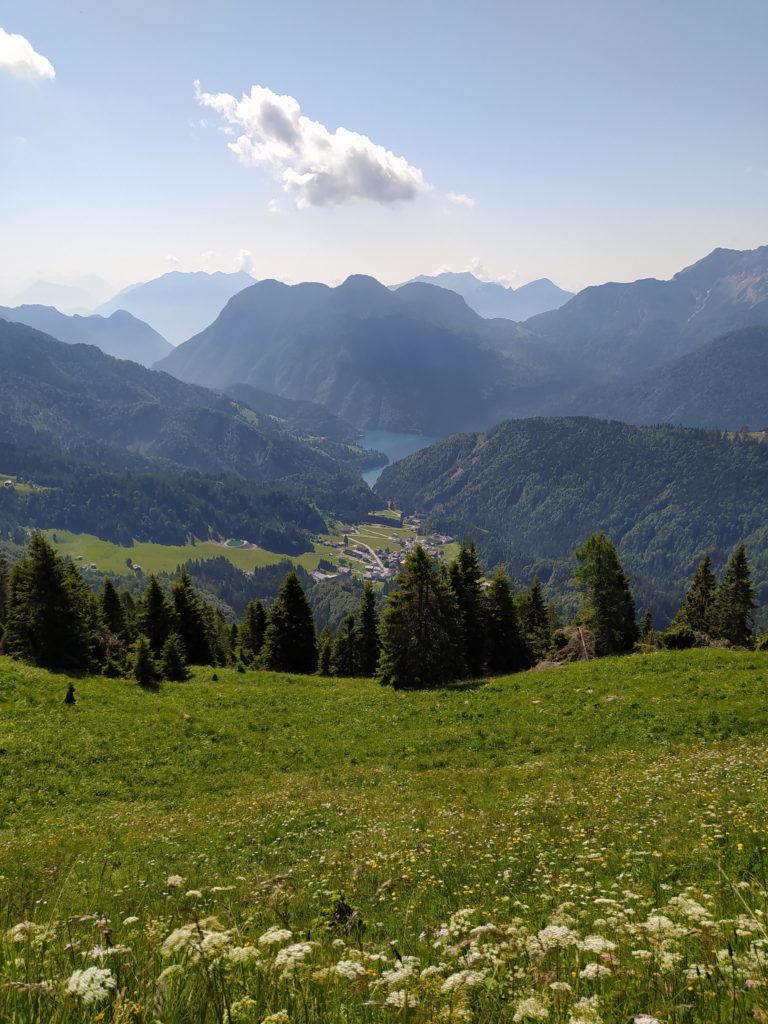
column 493, row 300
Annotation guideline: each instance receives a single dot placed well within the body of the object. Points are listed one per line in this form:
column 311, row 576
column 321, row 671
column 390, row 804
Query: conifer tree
column 173, row 663
column 697, row 609
column 189, row 621
column 506, row 649
column 344, row 659
column 250, row 633
column 48, row 616
column 5, row 573
column 324, row 645
column 142, row 663
column 735, row 601
column 112, row 611
column 289, row 640
column 368, row 641
column 421, row 639
column 466, row 578
column 153, row 616
column 535, row 620
column 608, row 608
column 645, row 630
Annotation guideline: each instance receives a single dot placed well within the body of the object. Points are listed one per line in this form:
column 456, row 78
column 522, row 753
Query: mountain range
column 120, row 334
column 490, row 299
column 417, row 359
column 179, row 304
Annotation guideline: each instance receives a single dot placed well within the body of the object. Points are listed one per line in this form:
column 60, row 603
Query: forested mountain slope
column 722, row 384
column 529, row 491
column 120, row 334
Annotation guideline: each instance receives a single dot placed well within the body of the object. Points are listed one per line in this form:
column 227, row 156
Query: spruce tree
column 250, row 633
column 645, row 630
column 47, row 612
column 506, row 649
column 189, row 621
column 697, row 609
column 466, row 578
column 112, row 611
column 173, row 663
column 5, row 574
column 344, row 657
column 289, row 640
column 735, row 601
column 535, row 620
column 421, row 638
column 324, row 646
column 142, row 663
column 608, row 608
column 153, row 616
column 368, row 641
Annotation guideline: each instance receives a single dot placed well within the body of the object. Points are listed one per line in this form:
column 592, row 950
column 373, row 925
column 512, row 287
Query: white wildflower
column 594, row 972
column 400, row 998
column 350, row 970
column 281, row 1017
column 130, row 920
column 401, row 972
column 289, row 957
column 462, row 979
column 585, row 1011
column 193, row 894
column 92, row 985
column 597, row 944
column 275, row 936
column 531, row 1008
column 175, row 881
column 560, row 986
column 554, row 936
column 242, row 955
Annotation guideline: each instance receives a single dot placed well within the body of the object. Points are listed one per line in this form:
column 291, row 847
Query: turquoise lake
column 394, row 446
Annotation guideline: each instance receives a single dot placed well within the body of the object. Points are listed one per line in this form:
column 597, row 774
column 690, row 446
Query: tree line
column 438, row 624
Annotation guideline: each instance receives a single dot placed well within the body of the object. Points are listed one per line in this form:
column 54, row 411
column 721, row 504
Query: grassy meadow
column 575, row 845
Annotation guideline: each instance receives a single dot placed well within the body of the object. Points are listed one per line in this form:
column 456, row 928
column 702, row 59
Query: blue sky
column 597, row 140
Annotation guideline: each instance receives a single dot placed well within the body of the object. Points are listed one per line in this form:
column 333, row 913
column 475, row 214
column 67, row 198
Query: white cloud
column 274, row 207
column 322, row 167
column 482, row 273
column 244, row 261
column 173, row 262
column 18, row 57
column 460, row 199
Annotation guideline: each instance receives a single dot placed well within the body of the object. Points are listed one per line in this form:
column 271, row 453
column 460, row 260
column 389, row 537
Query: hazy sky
column 593, row 141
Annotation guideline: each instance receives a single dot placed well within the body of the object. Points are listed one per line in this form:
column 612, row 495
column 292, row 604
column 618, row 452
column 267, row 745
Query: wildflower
column 281, row 1017
column 597, row 944
column 531, row 1008
column 585, row 1011
column 193, row 894
column 275, row 936
column 594, row 972
column 92, row 985
column 401, row 998
column 554, row 936
column 350, row 970
column 645, row 1018
column 241, row 1010
column 242, row 955
column 560, row 986
column 130, row 920
column 175, row 881
column 291, row 956
column 462, row 979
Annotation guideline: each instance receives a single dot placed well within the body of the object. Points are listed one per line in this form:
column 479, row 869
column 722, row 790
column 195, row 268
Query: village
column 377, row 551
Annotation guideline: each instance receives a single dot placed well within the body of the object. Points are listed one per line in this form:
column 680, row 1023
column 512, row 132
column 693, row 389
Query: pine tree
column 47, row 613
column 143, row 664
column 173, row 663
column 289, row 640
column 535, row 620
column 645, row 630
column 608, row 608
column 421, row 638
column 506, row 649
column 112, row 611
column 735, row 601
column 368, row 641
column 153, row 616
column 466, row 578
column 697, row 609
column 324, row 646
column 5, row 574
column 250, row 633
column 189, row 621
column 344, row 657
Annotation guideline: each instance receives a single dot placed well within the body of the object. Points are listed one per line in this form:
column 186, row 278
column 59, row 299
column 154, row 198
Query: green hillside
column 610, row 814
